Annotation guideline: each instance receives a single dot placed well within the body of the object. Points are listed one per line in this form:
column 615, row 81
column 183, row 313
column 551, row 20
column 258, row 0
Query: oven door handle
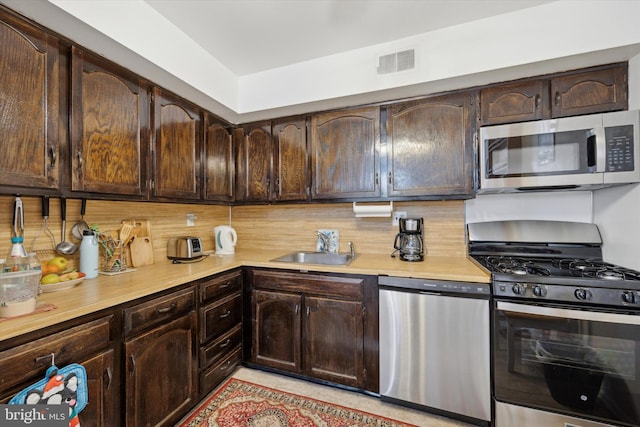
column 563, row 313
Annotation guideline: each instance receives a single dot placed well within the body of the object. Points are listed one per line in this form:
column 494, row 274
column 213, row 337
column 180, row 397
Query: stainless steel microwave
column 583, row 152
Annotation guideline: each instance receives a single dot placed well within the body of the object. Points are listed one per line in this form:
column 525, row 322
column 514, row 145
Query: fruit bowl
column 61, row 286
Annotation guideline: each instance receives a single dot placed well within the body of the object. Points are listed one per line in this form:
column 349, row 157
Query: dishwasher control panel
column 435, row 286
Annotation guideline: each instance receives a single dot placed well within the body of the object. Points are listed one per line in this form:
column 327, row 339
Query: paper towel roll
column 372, row 211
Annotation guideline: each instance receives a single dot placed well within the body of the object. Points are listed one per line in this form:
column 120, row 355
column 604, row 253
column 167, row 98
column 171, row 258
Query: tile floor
column 345, row 398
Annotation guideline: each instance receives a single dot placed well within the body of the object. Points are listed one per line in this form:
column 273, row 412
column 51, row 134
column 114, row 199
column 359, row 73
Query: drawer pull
column 226, row 366
column 226, row 343
column 166, row 309
column 44, row 358
column 132, row 368
column 225, row 315
column 226, row 284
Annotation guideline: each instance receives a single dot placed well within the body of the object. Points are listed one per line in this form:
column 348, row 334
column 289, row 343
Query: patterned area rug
column 240, row 403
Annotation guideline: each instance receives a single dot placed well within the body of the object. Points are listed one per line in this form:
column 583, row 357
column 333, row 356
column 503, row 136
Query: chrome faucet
column 352, row 249
column 325, row 241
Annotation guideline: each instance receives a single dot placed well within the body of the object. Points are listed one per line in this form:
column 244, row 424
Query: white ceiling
column 250, row 36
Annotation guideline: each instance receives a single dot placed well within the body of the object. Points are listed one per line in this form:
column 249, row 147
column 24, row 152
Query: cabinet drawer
column 220, row 347
column 218, row 372
column 148, row 314
column 30, row 361
column 217, row 318
column 338, row 286
column 220, row 285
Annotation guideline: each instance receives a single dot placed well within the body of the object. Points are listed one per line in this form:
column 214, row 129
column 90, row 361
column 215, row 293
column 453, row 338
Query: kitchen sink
column 325, row 258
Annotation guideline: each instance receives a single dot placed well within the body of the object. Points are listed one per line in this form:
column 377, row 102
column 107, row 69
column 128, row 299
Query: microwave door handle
column 564, row 313
column 600, row 146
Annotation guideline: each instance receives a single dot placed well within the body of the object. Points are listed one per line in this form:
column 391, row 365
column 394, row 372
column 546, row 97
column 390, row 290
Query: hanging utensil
column 18, row 217
column 45, row 226
column 81, row 225
column 64, row 247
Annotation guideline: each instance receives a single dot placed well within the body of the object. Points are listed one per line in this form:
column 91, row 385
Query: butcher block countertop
column 104, row 292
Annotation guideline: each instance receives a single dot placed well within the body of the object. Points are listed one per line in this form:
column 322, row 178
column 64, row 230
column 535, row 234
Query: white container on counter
column 89, row 254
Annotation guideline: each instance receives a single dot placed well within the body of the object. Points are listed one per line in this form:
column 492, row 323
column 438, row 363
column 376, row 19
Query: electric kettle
column 226, row 238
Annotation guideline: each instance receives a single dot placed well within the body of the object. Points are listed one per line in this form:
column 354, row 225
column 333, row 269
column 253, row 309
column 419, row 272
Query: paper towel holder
column 373, row 210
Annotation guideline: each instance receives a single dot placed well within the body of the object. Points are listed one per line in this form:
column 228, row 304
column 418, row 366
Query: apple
column 49, row 279
column 59, row 262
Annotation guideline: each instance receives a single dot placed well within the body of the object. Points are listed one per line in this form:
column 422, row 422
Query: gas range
column 567, row 267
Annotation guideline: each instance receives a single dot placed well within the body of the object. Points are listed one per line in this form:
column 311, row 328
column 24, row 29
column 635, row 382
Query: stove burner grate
column 515, row 265
column 596, row 269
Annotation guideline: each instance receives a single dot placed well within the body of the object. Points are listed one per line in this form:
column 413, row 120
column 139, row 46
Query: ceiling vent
column 399, row 61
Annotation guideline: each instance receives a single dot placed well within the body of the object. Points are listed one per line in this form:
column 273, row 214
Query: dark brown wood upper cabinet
column 430, row 146
column 176, row 147
column 516, row 102
column 290, row 159
column 29, row 105
column 588, row 92
column 218, row 161
column 253, row 163
column 345, row 148
column 109, row 127
column 596, row 90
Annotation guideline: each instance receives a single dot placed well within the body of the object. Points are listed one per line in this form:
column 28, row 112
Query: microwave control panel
column 619, row 148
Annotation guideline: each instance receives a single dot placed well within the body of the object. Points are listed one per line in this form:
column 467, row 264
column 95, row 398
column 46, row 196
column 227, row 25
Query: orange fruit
column 52, row 268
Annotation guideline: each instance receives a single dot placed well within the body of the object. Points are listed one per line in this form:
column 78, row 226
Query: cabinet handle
column 226, row 366
column 226, row 284
column 108, row 375
column 132, row 368
column 46, row 358
column 226, row 343
column 308, row 311
column 297, row 308
column 557, row 98
column 52, row 158
column 537, row 102
column 225, row 315
column 377, row 178
column 166, row 309
column 390, row 178
column 79, row 155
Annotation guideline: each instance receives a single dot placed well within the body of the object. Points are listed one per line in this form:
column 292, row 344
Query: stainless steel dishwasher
column 434, row 346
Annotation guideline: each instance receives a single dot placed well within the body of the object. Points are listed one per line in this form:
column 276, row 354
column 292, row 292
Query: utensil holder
column 114, row 259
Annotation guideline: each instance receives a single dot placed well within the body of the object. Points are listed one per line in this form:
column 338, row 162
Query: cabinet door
column 109, row 127
column 161, row 373
column 590, row 92
column 290, row 159
column 177, row 168
column 29, row 106
column 253, row 163
column 102, row 389
column 276, row 330
column 218, row 161
column 333, row 344
column 345, row 154
column 516, row 102
column 431, row 146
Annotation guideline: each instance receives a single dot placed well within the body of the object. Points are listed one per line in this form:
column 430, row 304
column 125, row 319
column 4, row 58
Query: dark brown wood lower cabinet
column 316, row 326
column 102, row 390
column 334, row 340
column 161, row 373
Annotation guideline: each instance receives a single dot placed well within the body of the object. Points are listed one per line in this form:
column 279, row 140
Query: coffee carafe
column 409, row 240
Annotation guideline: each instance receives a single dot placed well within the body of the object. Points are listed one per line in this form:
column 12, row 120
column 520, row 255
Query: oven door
column 582, row 363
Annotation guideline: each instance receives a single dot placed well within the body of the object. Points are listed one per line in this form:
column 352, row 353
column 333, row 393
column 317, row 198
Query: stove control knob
column 583, row 294
column 629, row 297
column 518, row 289
column 539, row 291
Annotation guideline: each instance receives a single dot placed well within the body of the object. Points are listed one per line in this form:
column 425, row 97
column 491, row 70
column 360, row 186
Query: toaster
column 186, row 247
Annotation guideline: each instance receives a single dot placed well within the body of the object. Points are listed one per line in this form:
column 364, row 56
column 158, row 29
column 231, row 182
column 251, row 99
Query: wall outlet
column 191, row 220
column 397, row 215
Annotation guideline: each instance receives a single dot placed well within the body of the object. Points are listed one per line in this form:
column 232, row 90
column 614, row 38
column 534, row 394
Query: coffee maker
column 409, row 240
